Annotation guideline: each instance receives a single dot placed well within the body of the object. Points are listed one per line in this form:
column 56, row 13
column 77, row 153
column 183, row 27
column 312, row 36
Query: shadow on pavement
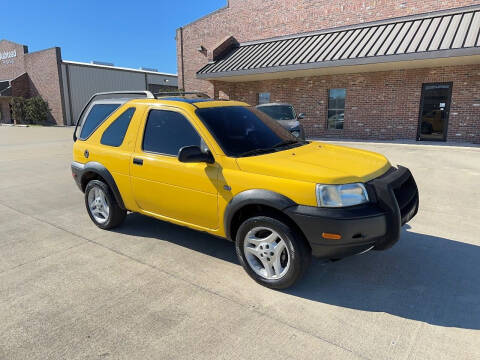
column 423, row 277
column 140, row 225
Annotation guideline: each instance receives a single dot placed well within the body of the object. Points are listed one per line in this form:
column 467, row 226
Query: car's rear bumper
column 394, row 201
column 77, row 171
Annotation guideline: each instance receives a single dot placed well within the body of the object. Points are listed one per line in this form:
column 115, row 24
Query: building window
column 336, row 108
column 263, row 98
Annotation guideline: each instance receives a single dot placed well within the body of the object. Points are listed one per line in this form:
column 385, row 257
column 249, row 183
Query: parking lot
column 152, row 290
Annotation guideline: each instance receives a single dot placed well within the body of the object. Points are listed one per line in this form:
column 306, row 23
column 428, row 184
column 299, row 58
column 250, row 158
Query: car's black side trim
column 253, row 197
column 79, row 170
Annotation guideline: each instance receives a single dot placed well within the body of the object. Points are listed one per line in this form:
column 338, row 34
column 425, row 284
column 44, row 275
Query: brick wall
column 13, row 67
column 21, row 86
column 380, row 105
column 43, row 70
column 258, row 19
column 39, row 72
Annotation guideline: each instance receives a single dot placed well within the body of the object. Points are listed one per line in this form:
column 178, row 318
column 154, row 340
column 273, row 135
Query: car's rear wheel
column 102, row 206
column 273, row 253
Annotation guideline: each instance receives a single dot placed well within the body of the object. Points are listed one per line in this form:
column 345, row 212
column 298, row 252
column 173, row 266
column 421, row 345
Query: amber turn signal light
column 331, row 236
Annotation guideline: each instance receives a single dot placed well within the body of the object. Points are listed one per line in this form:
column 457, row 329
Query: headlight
column 296, row 133
column 341, row 195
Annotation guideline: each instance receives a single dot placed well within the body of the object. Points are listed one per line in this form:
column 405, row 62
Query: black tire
column 300, row 253
column 116, row 214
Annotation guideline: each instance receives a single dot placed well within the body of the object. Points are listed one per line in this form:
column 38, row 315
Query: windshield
column 278, row 112
column 245, row 131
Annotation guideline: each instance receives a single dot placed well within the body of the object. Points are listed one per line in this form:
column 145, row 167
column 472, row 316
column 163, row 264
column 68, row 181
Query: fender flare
column 253, row 197
column 95, row 167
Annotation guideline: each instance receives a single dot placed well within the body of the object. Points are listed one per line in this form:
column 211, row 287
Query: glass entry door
column 434, row 111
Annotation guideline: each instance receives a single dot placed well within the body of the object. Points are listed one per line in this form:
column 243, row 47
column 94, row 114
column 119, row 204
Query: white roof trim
column 118, row 68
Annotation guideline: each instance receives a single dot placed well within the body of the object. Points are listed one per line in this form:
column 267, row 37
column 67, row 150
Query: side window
column 98, row 113
column 115, row 133
column 167, row 132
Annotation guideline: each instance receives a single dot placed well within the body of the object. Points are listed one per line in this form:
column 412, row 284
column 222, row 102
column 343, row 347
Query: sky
column 126, row 33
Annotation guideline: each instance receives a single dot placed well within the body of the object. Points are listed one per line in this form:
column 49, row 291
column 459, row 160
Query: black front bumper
column 393, row 202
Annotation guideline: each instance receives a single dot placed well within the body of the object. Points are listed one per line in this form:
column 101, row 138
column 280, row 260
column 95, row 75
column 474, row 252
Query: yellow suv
column 228, row 169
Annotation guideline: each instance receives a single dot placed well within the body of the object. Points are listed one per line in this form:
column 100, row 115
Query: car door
column 162, row 185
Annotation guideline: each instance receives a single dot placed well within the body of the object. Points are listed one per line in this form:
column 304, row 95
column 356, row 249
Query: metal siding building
column 81, row 80
column 65, row 85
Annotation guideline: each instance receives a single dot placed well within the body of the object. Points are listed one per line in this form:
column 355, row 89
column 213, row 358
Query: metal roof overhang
column 436, row 39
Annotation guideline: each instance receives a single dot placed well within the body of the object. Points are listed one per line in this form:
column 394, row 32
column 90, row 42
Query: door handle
column 138, row 161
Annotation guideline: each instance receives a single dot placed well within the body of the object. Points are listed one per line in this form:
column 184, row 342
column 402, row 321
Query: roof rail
column 147, row 94
column 196, row 94
column 127, row 94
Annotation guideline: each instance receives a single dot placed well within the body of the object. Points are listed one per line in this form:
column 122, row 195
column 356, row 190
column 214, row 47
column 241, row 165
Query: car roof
column 196, row 103
column 179, row 99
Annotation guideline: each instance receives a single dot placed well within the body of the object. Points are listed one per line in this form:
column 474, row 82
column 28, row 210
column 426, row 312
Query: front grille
column 405, row 191
column 406, row 194
column 396, row 193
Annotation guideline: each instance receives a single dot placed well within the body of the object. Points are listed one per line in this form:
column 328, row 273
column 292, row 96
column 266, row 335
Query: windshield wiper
column 272, row 148
column 256, row 152
column 285, row 143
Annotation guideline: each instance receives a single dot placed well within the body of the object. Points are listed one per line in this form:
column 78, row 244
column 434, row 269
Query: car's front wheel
column 273, row 253
column 102, row 206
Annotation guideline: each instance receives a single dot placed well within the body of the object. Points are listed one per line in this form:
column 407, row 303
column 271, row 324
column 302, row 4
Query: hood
column 319, row 163
column 288, row 124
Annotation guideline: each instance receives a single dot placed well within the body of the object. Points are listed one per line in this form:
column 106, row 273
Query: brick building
column 65, row 85
column 378, row 69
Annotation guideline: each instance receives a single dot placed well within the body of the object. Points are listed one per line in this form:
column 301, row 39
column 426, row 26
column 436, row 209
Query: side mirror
column 193, row 154
column 301, row 116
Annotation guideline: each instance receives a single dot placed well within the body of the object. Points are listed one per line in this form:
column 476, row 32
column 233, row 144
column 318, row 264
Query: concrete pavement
column 152, row 290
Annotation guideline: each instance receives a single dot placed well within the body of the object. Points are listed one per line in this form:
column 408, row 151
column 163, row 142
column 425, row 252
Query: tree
column 18, row 109
column 36, row 110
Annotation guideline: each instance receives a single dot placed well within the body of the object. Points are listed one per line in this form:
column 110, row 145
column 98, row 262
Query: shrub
column 36, row 110
column 18, row 109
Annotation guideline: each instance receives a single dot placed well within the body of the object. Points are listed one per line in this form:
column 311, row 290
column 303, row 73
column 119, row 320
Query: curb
column 413, row 144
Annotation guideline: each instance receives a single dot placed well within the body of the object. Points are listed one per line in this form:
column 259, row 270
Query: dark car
column 287, row 117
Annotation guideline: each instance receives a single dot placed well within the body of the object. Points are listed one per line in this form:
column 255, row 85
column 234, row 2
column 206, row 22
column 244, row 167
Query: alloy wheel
column 98, row 205
column 267, row 253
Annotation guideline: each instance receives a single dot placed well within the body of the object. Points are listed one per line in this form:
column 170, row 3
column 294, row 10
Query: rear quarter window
column 115, row 133
column 98, row 113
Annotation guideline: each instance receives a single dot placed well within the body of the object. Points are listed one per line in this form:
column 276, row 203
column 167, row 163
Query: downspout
column 181, row 56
